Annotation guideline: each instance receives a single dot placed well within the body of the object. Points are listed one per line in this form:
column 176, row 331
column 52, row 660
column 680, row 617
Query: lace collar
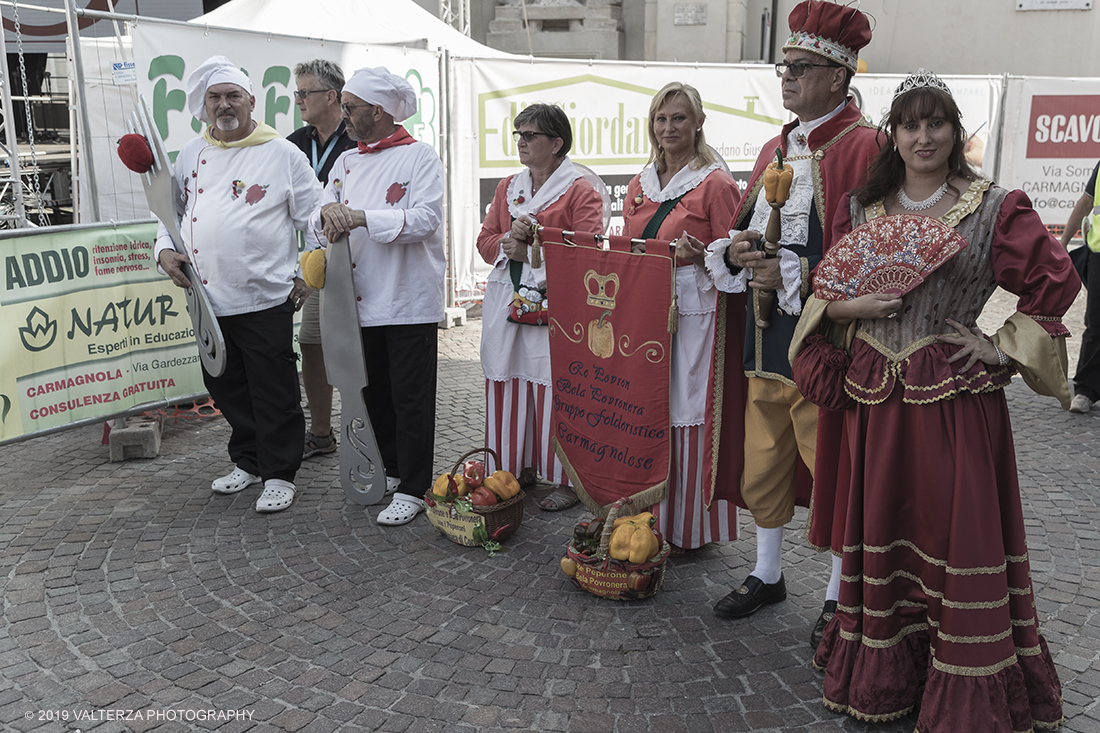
column 685, row 180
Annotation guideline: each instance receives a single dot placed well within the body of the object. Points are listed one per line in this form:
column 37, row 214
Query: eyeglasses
column 301, row 94
column 798, row 68
column 347, row 108
column 529, row 135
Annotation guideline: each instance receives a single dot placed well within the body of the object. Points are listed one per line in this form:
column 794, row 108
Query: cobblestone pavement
column 130, row 587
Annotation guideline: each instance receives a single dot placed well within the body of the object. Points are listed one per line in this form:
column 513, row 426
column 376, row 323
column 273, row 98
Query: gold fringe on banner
column 641, row 500
column 536, row 251
column 673, row 308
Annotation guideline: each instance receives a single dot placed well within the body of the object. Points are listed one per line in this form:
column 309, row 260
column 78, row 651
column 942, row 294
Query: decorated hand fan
column 888, row 254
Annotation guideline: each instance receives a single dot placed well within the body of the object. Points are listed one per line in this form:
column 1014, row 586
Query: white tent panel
column 395, row 22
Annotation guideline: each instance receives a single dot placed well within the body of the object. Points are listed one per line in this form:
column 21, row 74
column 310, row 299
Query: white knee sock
column 832, row 593
column 769, row 549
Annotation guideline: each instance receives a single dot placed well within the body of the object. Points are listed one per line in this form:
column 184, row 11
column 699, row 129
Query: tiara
column 920, row 79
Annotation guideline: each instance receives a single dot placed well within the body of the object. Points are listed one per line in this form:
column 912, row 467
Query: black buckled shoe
column 827, row 613
column 750, row 596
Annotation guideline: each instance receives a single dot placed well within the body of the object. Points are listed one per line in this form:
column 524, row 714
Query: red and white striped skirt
column 517, row 415
column 682, row 516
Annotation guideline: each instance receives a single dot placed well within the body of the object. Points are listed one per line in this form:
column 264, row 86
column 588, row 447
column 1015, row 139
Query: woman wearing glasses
column 515, row 344
column 687, row 189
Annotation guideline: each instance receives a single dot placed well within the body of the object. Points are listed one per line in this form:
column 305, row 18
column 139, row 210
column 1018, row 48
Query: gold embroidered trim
column 873, row 613
column 862, row 578
column 987, row 639
column 815, row 169
column 883, row 643
column 968, row 203
column 1051, row 319
column 894, row 356
column 1029, row 651
column 881, row 549
column 874, row 210
column 719, row 393
column 962, row 671
column 849, row 710
column 804, row 291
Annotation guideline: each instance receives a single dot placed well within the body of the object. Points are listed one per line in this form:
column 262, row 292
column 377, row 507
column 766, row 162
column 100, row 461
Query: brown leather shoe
column 748, row 599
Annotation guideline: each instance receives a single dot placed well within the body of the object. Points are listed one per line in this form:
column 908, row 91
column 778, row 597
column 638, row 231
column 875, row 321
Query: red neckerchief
column 401, row 137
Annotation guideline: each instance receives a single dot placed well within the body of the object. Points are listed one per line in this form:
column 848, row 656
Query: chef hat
column 215, row 70
column 389, row 91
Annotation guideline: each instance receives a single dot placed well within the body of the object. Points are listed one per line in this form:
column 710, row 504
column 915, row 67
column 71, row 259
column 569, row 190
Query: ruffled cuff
column 715, row 263
column 790, row 269
column 702, row 279
column 1039, row 357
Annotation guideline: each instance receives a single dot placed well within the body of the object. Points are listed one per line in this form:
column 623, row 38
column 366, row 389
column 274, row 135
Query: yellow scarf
column 262, row 134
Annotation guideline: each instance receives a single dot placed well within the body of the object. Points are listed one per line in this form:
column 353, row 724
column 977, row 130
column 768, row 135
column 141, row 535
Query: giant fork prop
column 361, row 471
column 162, row 193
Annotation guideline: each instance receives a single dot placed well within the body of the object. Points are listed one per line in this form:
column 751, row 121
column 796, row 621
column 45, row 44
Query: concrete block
column 505, row 26
column 136, row 437
column 453, row 317
column 555, row 12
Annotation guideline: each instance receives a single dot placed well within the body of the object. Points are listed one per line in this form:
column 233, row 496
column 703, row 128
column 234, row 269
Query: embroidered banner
column 610, row 361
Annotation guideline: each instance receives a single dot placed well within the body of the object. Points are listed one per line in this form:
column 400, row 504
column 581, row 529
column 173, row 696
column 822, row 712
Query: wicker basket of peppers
column 472, row 508
column 621, row 557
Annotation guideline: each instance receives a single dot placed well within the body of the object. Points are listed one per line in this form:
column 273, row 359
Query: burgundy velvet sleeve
column 1029, row 262
column 488, row 240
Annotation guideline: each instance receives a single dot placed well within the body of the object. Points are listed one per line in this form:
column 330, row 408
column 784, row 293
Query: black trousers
column 400, row 400
column 1087, row 379
column 259, row 393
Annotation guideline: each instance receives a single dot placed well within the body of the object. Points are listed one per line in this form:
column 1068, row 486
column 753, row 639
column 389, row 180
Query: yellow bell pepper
column 777, row 180
column 503, row 484
column 619, row 547
column 632, row 539
column 644, row 518
column 313, row 268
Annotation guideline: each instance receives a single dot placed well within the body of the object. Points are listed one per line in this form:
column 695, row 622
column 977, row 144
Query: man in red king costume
column 829, row 147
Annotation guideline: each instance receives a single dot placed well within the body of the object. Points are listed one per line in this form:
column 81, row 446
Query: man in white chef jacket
column 387, row 196
column 245, row 191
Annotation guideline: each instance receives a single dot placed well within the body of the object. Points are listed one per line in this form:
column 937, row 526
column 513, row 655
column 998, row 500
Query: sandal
column 558, row 500
column 391, row 485
column 231, row 483
column 402, row 510
column 278, row 495
column 318, row 444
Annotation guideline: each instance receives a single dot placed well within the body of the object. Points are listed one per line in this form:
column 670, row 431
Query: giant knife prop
column 162, row 193
column 361, row 470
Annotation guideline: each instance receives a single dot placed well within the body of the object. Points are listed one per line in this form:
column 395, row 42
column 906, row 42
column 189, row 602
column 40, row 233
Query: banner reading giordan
column 610, row 361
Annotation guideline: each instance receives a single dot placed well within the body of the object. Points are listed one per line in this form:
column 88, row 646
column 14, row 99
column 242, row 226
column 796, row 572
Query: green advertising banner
column 89, row 328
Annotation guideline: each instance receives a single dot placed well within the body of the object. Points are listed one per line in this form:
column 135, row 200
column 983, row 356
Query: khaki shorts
column 310, row 330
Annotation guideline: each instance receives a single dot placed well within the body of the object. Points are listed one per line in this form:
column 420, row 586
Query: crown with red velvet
column 829, row 29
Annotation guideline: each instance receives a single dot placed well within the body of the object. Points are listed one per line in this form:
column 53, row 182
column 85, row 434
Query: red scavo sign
column 1064, row 126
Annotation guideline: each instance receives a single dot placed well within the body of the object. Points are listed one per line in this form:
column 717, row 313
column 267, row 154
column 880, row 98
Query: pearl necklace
column 910, row 205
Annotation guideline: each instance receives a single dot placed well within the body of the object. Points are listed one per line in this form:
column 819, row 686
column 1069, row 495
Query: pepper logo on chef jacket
column 396, row 192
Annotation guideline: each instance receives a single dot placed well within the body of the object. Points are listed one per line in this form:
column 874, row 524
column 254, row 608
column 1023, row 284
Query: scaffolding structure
column 456, row 13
